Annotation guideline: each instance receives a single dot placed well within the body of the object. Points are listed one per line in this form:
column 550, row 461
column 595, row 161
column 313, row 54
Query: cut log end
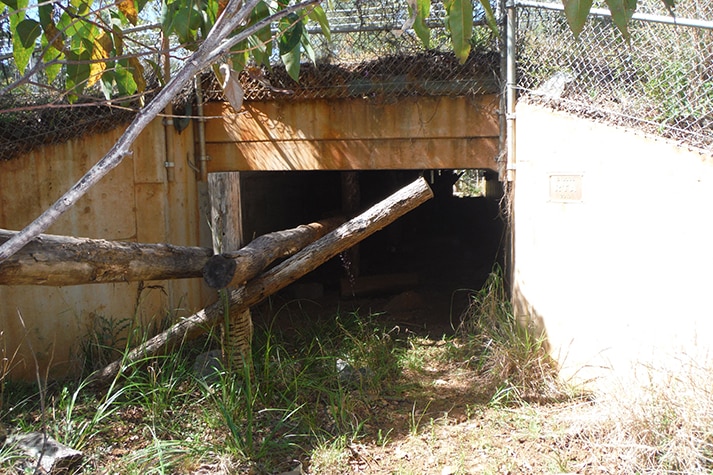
column 219, row 271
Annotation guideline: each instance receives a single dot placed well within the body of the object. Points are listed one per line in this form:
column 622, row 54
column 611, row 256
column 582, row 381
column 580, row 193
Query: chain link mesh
column 365, row 57
column 662, row 82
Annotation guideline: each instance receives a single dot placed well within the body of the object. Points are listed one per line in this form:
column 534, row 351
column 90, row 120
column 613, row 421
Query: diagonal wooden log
column 64, row 260
column 232, row 269
column 306, row 260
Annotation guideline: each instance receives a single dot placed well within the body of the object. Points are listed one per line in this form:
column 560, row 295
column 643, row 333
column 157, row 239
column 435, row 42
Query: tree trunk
column 306, row 260
column 64, row 260
column 232, row 269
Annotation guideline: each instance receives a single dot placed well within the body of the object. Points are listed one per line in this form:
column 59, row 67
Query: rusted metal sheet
column 353, row 134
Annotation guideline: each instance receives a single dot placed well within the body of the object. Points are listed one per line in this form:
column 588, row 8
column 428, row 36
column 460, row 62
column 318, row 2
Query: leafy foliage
column 621, row 12
column 460, row 15
column 95, row 43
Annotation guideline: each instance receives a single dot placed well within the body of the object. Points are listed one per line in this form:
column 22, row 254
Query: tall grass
column 664, row 425
column 510, row 351
column 311, row 387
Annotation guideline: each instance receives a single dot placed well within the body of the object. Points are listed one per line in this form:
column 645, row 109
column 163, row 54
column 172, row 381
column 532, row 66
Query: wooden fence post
column 227, row 231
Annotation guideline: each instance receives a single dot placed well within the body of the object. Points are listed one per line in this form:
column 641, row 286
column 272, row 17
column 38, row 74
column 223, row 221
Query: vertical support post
column 227, row 228
column 168, row 111
column 202, row 156
column 511, row 168
column 502, row 116
column 511, row 91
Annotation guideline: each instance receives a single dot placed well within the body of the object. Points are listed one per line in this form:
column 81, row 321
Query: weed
column 382, row 438
column 75, row 429
column 512, row 353
column 415, row 420
column 7, row 362
column 664, row 425
column 331, row 456
column 159, row 457
column 295, row 405
column 103, row 342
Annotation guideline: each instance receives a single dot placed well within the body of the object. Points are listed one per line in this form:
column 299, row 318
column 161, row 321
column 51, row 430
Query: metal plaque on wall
column 565, row 188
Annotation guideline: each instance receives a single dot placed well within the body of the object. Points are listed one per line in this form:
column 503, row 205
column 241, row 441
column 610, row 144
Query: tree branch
column 212, row 48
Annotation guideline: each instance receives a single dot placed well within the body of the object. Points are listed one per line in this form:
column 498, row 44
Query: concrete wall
column 137, row 201
column 613, row 244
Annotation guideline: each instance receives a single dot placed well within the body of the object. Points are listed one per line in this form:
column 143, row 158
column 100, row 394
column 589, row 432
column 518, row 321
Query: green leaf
column 107, row 82
column 291, row 28
column 261, row 42
column 459, row 19
column 307, row 47
column 73, row 27
column 423, row 10
column 22, row 56
column 182, row 22
column 489, row 15
column 291, row 59
column 670, row 5
column 123, row 74
column 317, row 14
column 210, row 14
column 195, row 18
column 621, row 13
column 168, row 9
column 239, row 56
column 51, row 54
column 576, row 12
column 77, row 72
column 28, row 31
column 11, row 4
column 20, row 53
column 45, row 13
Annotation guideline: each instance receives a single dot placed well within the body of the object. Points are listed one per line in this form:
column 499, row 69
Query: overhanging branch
column 212, row 48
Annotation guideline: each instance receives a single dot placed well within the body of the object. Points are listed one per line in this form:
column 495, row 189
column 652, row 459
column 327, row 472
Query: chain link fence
column 367, row 56
column 662, row 82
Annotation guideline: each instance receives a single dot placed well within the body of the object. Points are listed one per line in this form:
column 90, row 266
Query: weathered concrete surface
column 612, row 243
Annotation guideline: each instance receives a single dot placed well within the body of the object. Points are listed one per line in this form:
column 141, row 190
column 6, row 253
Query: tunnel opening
column 420, row 270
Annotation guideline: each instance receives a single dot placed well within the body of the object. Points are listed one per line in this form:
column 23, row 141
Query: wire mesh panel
column 367, row 55
column 662, row 81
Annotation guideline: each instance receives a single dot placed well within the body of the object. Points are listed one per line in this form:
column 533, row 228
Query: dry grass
column 662, row 426
column 485, row 401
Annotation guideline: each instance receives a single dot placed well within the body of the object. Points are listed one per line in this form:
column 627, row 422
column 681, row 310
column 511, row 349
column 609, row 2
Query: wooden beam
column 355, row 134
column 64, row 260
column 305, row 261
column 380, row 154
